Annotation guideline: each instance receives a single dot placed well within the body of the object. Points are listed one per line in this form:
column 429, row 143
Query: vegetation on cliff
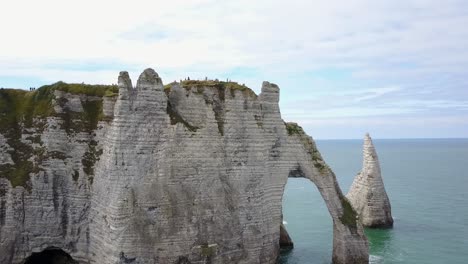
column 293, row 128
column 23, row 113
column 220, row 88
column 349, row 216
column 21, row 106
column 85, row 89
column 200, row 85
column 17, row 110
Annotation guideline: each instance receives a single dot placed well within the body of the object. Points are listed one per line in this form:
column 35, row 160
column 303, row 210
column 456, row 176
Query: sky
column 395, row 69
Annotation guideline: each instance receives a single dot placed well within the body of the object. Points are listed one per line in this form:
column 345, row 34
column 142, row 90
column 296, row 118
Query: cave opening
column 307, row 221
column 50, row 255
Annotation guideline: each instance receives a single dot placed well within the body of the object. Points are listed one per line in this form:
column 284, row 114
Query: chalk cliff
column 367, row 193
column 190, row 172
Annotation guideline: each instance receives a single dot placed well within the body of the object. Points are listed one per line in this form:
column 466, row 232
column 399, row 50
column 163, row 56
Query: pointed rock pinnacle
column 367, row 193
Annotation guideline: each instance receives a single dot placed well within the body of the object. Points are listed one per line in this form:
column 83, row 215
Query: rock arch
column 349, row 241
column 185, row 172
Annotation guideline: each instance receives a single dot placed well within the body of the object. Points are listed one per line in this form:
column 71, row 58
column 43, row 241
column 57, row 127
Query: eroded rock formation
column 367, row 193
column 285, row 240
column 191, row 172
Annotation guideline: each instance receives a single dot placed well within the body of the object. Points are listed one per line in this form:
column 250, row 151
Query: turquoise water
column 427, row 183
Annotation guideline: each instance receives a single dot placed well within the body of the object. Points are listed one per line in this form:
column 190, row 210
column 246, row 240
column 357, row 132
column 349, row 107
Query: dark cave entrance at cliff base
column 51, row 255
column 308, row 223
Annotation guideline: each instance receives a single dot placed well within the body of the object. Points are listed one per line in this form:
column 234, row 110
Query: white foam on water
column 285, row 223
column 374, row 259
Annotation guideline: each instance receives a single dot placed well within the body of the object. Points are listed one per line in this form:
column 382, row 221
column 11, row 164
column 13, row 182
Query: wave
column 374, row 259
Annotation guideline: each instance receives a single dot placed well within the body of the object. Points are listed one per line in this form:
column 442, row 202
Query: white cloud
column 404, row 47
column 297, row 34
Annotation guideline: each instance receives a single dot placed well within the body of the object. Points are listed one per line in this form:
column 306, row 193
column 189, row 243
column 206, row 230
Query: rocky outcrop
column 285, row 240
column 349, row 242
column 191, row 172
column 367, row 194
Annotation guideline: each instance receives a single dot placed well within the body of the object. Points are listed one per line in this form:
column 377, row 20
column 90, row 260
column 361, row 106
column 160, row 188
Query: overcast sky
column 397, row 69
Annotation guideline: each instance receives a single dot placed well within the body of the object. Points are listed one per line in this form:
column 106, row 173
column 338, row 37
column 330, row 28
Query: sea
column 427, row 184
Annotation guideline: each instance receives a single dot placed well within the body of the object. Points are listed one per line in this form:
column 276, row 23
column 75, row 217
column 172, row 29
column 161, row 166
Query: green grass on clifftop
column 86, row 89
column 221, row 89
column 22, row 106
column 199, row 85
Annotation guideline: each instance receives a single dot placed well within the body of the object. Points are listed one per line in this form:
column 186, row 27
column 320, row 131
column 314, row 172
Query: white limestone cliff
column 188, row 173
column 367, row 194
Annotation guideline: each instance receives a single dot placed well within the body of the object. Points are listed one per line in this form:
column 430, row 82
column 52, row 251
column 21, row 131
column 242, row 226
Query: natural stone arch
column 50, row 255
column 255, row 152
column 174, row 175
column 349, row 241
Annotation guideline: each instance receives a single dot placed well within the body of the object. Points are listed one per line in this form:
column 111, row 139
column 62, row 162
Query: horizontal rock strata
column 367, row 193
column 191, row 172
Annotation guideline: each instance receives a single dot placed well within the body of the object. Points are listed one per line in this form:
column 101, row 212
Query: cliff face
column 187, row 173
column 367, row 193
column 50, row 140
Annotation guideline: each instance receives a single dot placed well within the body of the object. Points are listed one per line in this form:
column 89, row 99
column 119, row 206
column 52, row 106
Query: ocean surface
column 427, row 183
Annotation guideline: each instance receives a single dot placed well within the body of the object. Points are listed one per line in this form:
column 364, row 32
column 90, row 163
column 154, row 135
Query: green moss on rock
column 90, row 158
column 318, row 160
column 18, row 108
column 294, row 129
column 93, row 113
column 21, row 110
column 207, row 250
column 349, row 217
column 86, row 121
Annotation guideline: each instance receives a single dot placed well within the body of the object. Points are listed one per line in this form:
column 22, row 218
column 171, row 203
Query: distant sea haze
column 427, row 183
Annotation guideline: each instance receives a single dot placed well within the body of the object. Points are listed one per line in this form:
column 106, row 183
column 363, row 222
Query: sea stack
column 367, row 194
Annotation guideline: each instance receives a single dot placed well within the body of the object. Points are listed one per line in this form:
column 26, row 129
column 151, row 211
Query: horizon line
column 404, row 138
